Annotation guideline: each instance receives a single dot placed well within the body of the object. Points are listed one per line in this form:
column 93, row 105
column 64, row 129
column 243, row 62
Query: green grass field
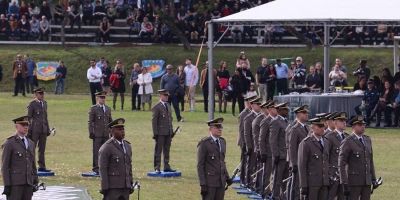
column 69, row 152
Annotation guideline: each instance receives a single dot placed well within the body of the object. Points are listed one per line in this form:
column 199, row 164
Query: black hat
column 250, row 98
column 117, row 123
column 317, row 121
column 278, row 60
column 21, row 120
column 215, row 122
column 39, row 90
column 163, row 92
column 331, row 116
column 301, row 109
column 340, row 116
column 322, row 115
column 281, row 105
column 357, row 119
column 257, row 100
column 101, row 94
column 267, row 104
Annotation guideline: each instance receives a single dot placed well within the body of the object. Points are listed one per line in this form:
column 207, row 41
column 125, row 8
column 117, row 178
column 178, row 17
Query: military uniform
column 39, row 126
column 99, row 118
column 211, row 168
column 115, row 167
column 279, row 152
column 162, row 132
column 265, row 150
column 313, row 167
column 356, row 164
column 255, row 128
column 18, row 166
column 242, row 145
column 335, row 138
column 250, row 147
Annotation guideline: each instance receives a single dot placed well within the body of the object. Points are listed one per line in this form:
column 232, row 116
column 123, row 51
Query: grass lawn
column 70, row 152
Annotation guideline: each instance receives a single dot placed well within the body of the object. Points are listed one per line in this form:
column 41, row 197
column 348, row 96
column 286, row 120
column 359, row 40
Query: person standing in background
column 136, row 70
column 170, row 82
column 223, row 82
column 61, row 74
column 182, row 78
column 117, row 82
column 94, row 75
column 145, row 88
column 261, row 79
column 192, row 78
column 19, row 74
column 204, row 84
column 106, row 71
column 29, row 82
column 282, row 74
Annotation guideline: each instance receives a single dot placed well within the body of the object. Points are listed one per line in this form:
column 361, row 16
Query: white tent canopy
column 312, row 12
column 319, row 11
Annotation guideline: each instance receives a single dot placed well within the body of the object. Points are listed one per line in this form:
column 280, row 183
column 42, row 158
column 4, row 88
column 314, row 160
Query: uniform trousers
column 21, row 192
column 163, row 144
column 360, row 192
column 39, row 139
column 117, row 194
column 97, row 142
column 215, row 193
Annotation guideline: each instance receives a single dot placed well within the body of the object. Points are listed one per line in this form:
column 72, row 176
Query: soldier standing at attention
column 99, row 118
column 356, row 163
column 241, row 143
column 115, row 164
column 211, row 168
column 162, row 131
column 249, row 141
column 313, row 163
column 279, row 149
column 297, row 133
column 335, row 138
column 265, row 148
column 330, row 125
column 18, row 163
column 39, row 125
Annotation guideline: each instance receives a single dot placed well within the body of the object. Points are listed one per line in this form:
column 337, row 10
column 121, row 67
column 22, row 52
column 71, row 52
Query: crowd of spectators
column 22, row 21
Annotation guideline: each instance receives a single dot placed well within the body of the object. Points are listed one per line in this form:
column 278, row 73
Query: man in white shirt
column 192, row 78
column 94, row 76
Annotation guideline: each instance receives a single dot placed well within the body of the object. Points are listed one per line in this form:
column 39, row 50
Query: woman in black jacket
column 238, row 90
column 385, row 99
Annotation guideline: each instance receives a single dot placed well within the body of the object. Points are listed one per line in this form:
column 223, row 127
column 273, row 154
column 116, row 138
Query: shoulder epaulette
column 203, row 140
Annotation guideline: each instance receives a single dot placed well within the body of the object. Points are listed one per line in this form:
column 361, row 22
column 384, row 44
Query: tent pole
column 326, row 57
column 211, row 87
column 395, row 54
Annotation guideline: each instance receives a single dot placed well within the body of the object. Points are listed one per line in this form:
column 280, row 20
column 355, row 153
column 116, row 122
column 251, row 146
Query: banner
column 46, row 70
column 155, row 67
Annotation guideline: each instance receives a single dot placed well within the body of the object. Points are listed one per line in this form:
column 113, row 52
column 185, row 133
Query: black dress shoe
column 44, row 170
column 169, row 170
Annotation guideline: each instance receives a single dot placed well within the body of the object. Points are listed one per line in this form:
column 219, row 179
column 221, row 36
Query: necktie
column 104, row 108
column 321, row 144
column 122, row 146
column 219, row 146
column 342, row 135
column 166, row 106
column 41, row 103
column 305, row 128
column 23, row 141
column 362, row 141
